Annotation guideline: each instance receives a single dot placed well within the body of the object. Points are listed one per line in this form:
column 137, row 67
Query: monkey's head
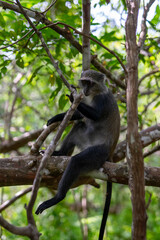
column 92, row 82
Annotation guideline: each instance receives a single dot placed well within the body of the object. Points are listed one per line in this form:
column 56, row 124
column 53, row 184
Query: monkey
column 95, row 134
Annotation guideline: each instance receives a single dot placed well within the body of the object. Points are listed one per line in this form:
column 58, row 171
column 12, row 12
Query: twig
column 17, row 40
column 12, row 200
column 39, row 141
column 51, row 5
column 155, row 149
column 147, row 75
column 143, row 25
column 147, row 106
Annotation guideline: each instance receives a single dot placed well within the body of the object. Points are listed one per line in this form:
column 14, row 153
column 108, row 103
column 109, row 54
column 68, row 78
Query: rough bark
column 134, row 146
column 22, row 170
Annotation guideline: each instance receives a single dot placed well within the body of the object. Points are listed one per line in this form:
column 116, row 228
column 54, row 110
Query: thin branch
column 42, row 137
column 18, row 195
column 61, row 128
column 10, row 45
column 155, row 149
column 52, row 146
column 51, row 5
column 16, row 8
column 147, row 106
column 143, row 33
column 23, row 231
column 147, row 75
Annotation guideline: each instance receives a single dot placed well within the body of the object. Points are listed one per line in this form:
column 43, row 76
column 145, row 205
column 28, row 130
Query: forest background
column 32, row 91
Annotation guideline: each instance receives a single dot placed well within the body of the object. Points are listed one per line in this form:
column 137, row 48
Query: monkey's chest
column 92, row 135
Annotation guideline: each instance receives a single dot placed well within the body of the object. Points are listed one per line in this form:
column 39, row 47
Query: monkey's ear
column 104, row 79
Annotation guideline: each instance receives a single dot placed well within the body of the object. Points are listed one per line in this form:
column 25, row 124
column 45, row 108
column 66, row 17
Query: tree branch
column 147, row 75
column 143, row 33
column 23, row 231
column 86, row 60
column 148, row 136
column 19, row 170
column 18, row 195
column 18, row 142
column 134, row 147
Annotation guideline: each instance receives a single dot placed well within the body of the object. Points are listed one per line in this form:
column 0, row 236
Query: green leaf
column 54, row 94
column 2, row 21
column 4, row 70
column 62, row 101
column 20, row 63
column 35, row 73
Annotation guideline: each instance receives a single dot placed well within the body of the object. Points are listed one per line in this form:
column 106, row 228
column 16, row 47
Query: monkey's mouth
column 86, row 93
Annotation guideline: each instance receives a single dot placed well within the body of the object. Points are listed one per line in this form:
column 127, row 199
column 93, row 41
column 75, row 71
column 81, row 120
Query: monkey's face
column 87, row 87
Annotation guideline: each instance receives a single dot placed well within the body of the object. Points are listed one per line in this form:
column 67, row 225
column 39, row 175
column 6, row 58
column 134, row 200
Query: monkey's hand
column 70, row 97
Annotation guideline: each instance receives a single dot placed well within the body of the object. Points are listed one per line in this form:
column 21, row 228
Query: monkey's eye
column 87, row 83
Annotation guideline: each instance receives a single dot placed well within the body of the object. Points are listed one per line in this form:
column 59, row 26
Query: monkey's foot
column 41, row 208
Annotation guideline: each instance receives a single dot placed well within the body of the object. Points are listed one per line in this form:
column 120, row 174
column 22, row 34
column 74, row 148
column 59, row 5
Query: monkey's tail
column 106, row 210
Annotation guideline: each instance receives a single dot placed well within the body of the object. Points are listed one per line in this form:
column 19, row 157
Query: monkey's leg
column 69, row 142
column 90, row 159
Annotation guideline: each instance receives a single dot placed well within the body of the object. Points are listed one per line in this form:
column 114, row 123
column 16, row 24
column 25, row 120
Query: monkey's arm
column 59, row 117
column 90, row 112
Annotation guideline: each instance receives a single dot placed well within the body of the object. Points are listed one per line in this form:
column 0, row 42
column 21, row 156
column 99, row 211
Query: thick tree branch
column 21, row 170
column 18, row 142
column 134, row 147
